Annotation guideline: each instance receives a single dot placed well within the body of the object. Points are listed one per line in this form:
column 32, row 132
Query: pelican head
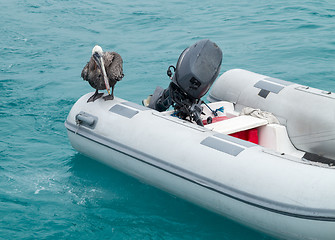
column 97, row 55
column 97, row 49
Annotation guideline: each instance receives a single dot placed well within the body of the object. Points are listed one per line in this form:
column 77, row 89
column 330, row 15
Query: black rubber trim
column 317, row 158
column 263, row 93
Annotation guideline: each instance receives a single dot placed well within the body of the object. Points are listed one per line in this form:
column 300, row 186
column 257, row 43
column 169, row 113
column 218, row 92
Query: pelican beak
column 100, row 62
column 97, row 59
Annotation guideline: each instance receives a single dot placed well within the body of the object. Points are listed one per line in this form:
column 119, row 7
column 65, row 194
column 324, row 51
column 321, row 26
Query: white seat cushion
column 237, row 124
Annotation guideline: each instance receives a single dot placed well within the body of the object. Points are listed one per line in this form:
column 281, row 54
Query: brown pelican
column 102, row 71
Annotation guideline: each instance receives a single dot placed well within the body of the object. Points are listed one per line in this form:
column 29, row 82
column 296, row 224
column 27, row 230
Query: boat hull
column 208, row 177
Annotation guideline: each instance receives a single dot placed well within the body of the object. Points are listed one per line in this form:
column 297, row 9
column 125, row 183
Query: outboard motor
column 197, row 68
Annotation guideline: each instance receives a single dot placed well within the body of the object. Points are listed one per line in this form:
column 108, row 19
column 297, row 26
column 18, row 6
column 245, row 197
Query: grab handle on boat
column 85, row 119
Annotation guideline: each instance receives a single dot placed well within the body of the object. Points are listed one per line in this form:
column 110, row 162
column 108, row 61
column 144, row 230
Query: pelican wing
column 84, row 72
column 114, row 65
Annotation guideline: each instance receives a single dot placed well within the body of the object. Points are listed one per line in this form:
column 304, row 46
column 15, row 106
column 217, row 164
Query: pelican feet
column 108, row 97
column 95, row 96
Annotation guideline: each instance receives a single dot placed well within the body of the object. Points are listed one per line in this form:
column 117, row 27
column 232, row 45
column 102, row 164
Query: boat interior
column 272, row 136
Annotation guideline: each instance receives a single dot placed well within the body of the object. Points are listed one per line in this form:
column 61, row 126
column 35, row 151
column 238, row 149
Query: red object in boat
column 216, row 119
column 250, row 135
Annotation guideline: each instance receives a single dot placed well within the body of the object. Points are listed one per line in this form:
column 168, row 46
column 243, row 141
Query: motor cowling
column 197, row 68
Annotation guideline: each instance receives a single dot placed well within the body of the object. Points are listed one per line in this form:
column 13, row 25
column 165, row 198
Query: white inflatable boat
column 265, row 161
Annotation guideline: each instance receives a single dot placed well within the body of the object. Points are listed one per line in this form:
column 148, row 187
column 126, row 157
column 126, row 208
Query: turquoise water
column 47, row 189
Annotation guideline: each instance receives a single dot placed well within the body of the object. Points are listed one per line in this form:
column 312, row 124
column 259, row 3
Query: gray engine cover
column 308, row 113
